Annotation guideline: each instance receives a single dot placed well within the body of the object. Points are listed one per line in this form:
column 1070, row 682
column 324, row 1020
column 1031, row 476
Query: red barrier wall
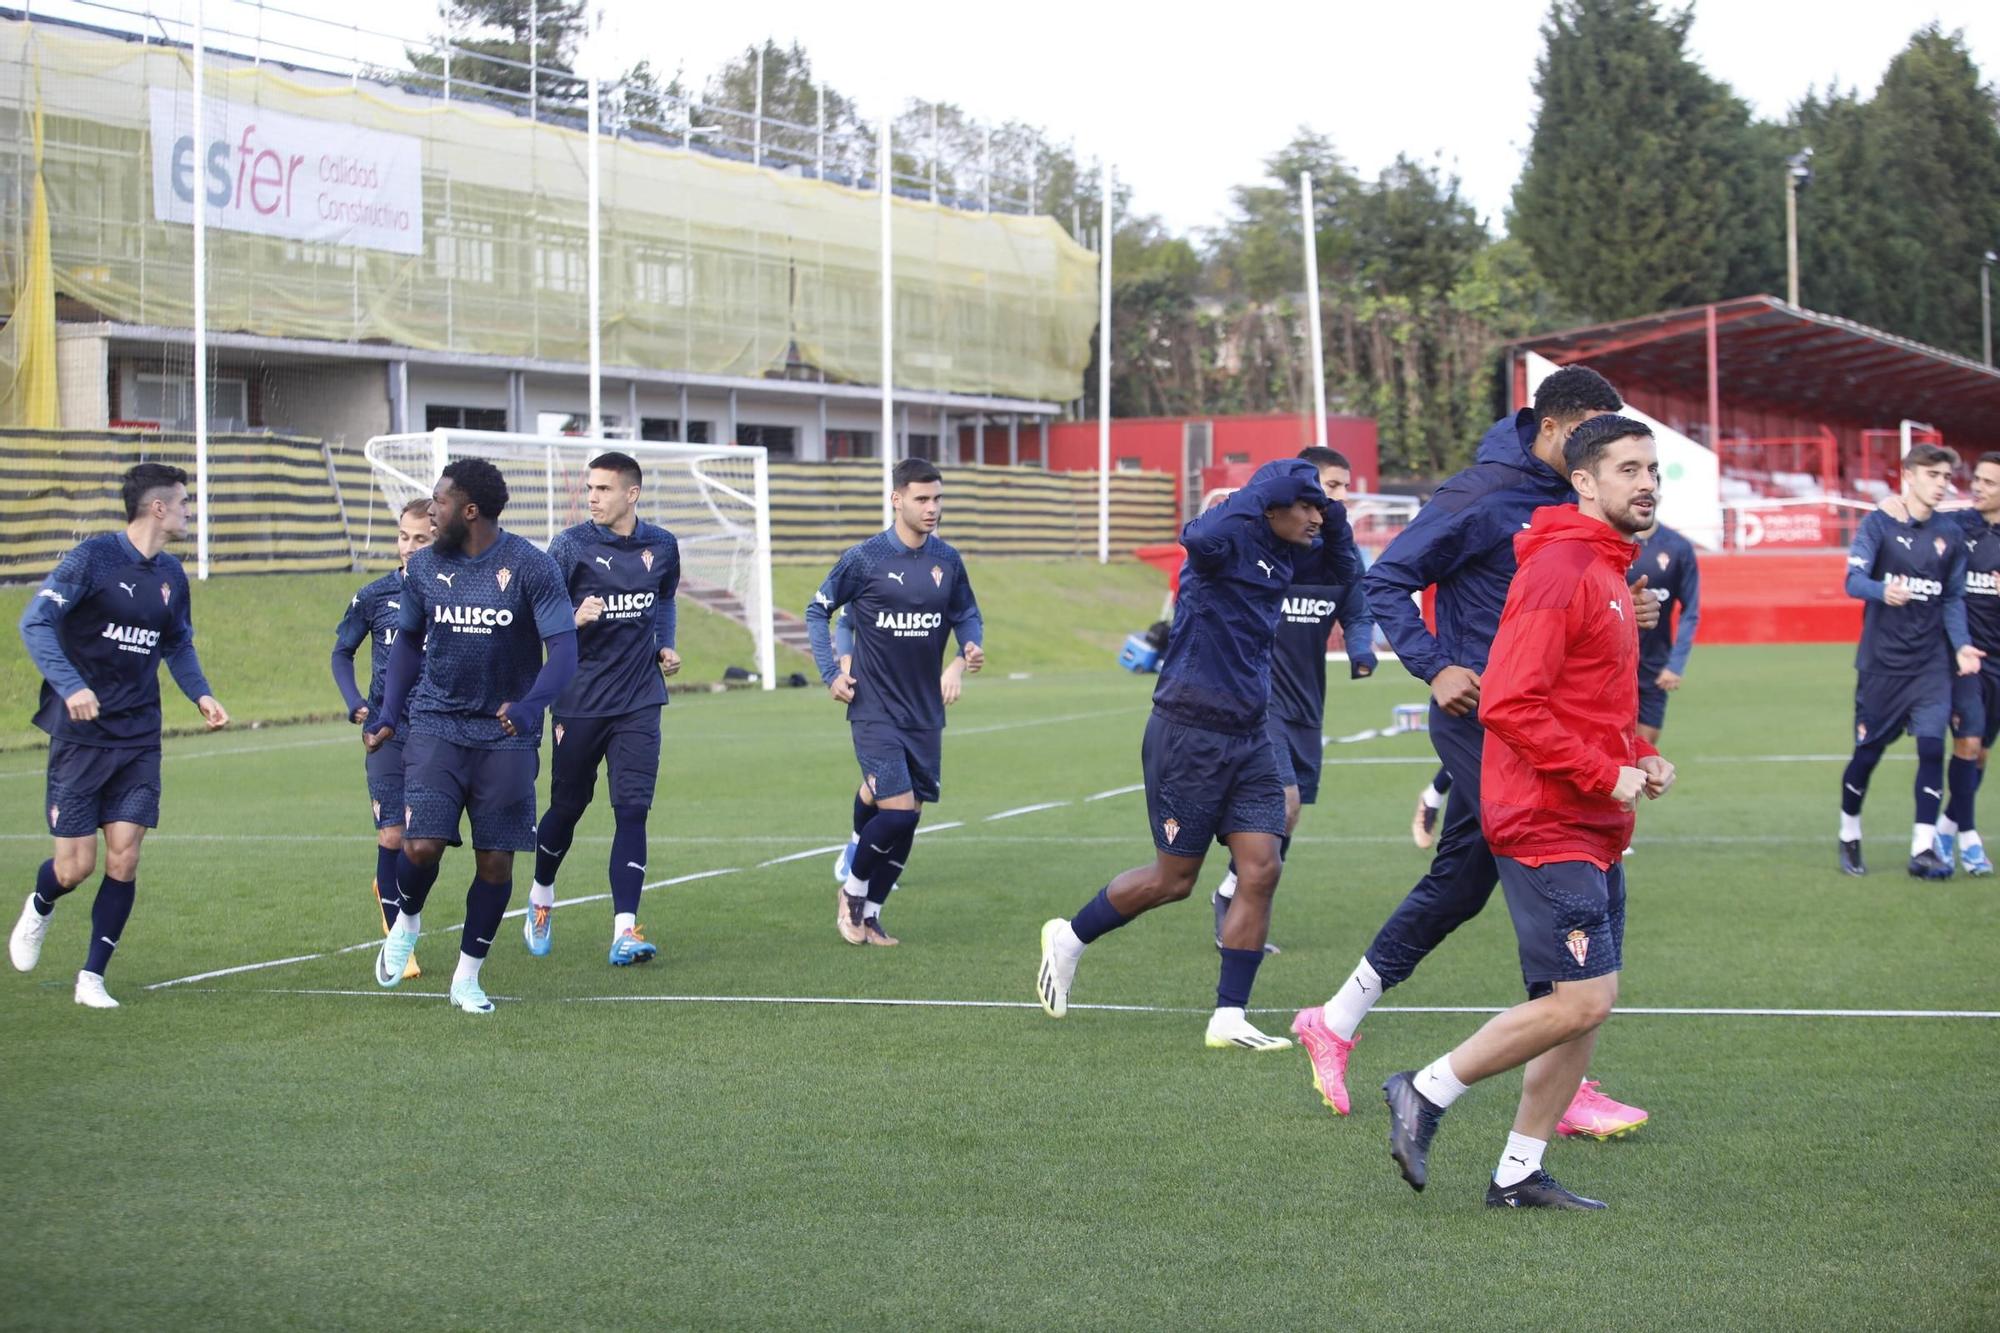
column 1795, row 597
column 1155, row 443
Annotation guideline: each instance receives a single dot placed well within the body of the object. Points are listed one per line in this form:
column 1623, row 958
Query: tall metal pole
column 757, row 122
column 888, row 443
column 594, row 244
column 200, row 128
column 534, row 40
column 1104, row 367
column 1792, row 237
column 1312, row 307
column 1986, row 309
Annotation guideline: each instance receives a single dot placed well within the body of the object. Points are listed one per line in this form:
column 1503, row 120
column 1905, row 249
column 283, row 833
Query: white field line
column 1026, row 810
column 888, row 1003
column 941, row 828
column 991, row 727
column 807, row 854
column 1115, row 791
column 224, row 752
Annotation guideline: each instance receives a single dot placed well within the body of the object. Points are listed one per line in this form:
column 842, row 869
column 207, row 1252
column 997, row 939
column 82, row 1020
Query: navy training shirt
column 618, row 654
column 900, row 603
column 1305, row 621
column 1918, row 637
column 373, row 614
column 1673, row 576
column 483, row 620
column 1982, row 585
column 1216, row 672
column 103, row 620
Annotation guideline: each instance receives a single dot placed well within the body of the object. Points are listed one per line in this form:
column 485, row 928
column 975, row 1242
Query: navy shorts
column 90, row 786
column 1297, row 749
column 442, row 780
column 629, row 743
column 1975, row 706
column 1887, row 706
column 385, row 782
column 1652, row 701
column 1569, row 918
column 895, row 760
column 1203, row 785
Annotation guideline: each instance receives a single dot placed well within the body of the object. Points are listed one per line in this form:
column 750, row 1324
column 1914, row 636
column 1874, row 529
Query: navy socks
column 48, row 888
column 108, row 915
column 890, row 868
column 552, row 839
column 1965, row 777
column 1930, row 778
column 485, row 905
column 1099, row 917
column 863, row 812
column 385, row 882
column 1854, row 782
column 1239, row 974
column 628, row 858
column 413, row 882
column 884, row 832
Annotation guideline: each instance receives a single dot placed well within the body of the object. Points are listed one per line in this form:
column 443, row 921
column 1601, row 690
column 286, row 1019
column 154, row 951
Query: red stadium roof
column 1785, row 357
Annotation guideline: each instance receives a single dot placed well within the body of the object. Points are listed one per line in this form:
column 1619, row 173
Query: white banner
column 278, row 175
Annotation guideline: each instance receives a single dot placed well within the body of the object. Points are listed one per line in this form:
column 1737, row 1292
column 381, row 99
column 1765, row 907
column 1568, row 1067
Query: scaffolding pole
column 1312, row 307
column 1103, row 367
column 888, row 445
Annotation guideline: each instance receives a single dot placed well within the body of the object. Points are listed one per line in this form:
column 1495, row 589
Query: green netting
column 708, row 265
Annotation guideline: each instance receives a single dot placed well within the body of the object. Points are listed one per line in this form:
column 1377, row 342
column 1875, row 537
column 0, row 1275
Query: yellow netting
column 708, row 265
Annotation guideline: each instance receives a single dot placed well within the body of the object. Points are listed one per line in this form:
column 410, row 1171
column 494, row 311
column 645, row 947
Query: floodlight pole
column 1986, row 306
column 1791, row 238
column 200, row 129
column 888, row 444
column 1104, row 366
column 1312, row 308
column 594, row 244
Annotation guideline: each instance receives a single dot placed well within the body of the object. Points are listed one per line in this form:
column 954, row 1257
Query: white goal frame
column 391, row 456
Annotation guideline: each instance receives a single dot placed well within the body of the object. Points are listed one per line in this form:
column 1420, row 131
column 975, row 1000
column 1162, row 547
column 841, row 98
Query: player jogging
column 372, row 614
column 1211, row 774
column 903, row 589
column 1975, row 699
column 97, row 629
column 1673, row 576
column 1326, row 585
column 1463, row 541
column 1910, row 573
column 1561, row 769
column 468, row 683
column 621, row 575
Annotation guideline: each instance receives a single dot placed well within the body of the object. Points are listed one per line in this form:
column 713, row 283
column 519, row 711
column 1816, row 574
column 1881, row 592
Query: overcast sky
column 1187, row 100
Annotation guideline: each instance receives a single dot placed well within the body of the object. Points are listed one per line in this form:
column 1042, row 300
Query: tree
column 791, row 133
column 1905, row 196
column 1643, row 188
column 495, row 41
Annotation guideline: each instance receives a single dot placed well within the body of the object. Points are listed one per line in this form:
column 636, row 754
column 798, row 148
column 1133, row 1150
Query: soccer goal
column 714, row 498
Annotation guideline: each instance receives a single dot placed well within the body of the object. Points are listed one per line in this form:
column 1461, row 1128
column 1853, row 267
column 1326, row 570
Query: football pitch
column 767, row 1127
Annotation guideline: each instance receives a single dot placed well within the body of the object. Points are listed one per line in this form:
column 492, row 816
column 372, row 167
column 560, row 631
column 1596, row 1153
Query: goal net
column 714, row 498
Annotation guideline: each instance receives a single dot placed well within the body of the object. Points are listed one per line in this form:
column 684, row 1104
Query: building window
column 921, row 446
column 560, row 268
column 1130, row 465
column 465, row 250
column 169, row 400
column 850, row 444
column 775, row 441
column 437, row 417
column 660, row 277
column 667, row 430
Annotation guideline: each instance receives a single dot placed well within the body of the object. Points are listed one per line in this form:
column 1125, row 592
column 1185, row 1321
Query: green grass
column 240, row 1153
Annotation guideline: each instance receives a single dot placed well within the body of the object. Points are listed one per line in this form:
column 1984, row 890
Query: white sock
column 1227, row 1017
column 1227, row 889
column 1066, row 942
column 1432, row 797
column 1970, row 838
column 409, row 925
column 468, row 968
column 622, row 922
column 871, row 911
column 856, row 888
column 1438, row 1084
column 1947, row 827
column 541, row 895
column 1922, row 838
column 1351, row 1003
column 1850, row 827
column 1521, row 1159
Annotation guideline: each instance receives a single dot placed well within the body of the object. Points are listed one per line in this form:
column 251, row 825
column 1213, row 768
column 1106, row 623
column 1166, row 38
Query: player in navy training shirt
column 1317, row 597
column 468, row 683
column 1910, row 572
column 1210, row 771
column 903, row 590
column 372, row 615
column 1975, row 699
column 621, row 575
column 1673, row 576
column 97, row 629
column 951, row 684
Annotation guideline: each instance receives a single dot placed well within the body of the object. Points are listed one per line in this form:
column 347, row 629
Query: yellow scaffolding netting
column 708, row 265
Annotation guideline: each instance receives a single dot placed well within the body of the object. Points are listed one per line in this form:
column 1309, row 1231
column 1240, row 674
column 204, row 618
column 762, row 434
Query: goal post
column 714, row 498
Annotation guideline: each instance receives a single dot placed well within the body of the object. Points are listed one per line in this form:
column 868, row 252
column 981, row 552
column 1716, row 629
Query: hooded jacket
column 1216, row 674
column 1560, row 696
column 1462, row 541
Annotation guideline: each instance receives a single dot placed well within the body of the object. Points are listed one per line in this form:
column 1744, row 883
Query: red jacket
column 1560, row 697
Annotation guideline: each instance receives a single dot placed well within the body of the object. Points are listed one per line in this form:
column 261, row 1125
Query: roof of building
column 1783, row 356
